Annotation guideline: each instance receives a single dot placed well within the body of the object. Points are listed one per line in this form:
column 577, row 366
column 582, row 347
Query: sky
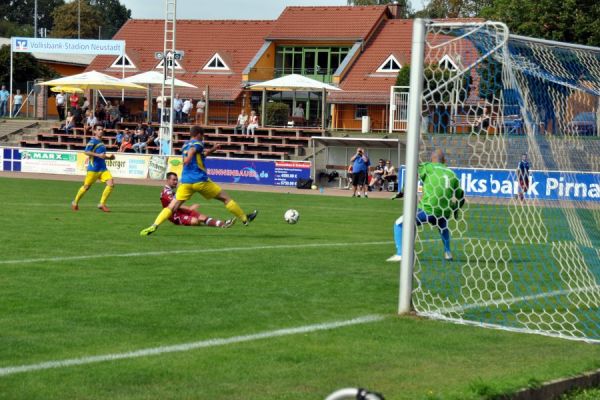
column 227, row 9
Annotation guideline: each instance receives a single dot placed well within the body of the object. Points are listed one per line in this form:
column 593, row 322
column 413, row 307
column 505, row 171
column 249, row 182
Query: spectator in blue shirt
column 4, row 95
column 523, row 176
column 360, row 168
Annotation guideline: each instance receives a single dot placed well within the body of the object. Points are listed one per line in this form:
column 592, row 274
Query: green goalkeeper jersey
column 442, row 194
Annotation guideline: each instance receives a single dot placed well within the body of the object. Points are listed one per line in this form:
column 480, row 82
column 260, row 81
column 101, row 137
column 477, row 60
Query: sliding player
column 195, row 179
column 188, row 216
column 96, row 169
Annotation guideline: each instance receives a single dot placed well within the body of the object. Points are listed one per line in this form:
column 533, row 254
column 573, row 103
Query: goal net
column 518, row 120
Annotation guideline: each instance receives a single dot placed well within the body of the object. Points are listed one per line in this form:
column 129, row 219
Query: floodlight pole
column 35, row 17
column 78, row 19
column 410, row 175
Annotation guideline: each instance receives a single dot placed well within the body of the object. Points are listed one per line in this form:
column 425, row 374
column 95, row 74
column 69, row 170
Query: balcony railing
column 320, row 74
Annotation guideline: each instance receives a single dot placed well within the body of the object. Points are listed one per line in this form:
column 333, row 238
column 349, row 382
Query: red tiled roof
column 323, row 23
column 236, row 41
column 363, row 83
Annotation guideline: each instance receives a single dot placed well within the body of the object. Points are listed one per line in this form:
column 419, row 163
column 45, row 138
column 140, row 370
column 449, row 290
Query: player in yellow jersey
column 96, row 169
column 195, row 179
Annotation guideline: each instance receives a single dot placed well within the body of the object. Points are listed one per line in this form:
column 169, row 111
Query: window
column 123, row 62
column 315, row 61
column 390, row 65
column 162, row 63
column 447, row 63
column 216, row 63
column 360, row 111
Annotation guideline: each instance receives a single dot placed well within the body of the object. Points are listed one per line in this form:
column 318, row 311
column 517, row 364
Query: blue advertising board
column 544, row 185
column 257, row 172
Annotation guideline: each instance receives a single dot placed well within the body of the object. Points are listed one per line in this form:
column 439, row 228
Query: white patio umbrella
column 92, row 80
column 295, row 83
column 154, row 78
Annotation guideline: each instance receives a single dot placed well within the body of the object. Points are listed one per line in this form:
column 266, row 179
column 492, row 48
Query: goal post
column 518, row 121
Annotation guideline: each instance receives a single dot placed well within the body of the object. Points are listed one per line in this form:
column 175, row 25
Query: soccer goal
column 518, row 120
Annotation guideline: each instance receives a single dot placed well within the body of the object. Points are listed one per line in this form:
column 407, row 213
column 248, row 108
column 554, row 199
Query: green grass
column 262, row 281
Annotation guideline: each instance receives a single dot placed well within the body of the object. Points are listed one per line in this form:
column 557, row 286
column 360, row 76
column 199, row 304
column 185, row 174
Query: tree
column 26, row 68
column 114, row 15
column 572, row 21
column 403, row 78
column 21, row 12
column 453, row 8
column 65, row 21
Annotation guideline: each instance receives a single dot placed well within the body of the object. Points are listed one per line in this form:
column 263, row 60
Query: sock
column 235, row 209
column 164, row 215
column 107, row 191
column 445, row 234
column 398, row 235
column 80, row 194
column 213, row 222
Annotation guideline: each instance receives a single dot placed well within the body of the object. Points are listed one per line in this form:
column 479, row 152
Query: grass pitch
column 82, row 285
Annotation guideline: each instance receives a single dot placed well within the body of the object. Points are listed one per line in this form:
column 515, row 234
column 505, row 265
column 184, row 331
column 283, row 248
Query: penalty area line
column 188, row 251
column 154, row 351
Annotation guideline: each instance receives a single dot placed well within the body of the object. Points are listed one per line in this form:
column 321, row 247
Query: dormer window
column 123, row 62
column 161, row 64
column 216, row 63
column 391, row 64
column 447, row 63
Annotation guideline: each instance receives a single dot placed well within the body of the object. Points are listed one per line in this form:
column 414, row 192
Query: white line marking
column 189, row 346
column 188, row 251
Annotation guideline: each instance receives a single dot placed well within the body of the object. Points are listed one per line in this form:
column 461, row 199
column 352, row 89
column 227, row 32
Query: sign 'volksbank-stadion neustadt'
column 67, row 46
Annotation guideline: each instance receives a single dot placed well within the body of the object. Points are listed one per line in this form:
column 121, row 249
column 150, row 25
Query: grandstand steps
column 11, row 130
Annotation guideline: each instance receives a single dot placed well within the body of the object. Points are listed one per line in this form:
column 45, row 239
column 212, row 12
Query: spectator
column 4, row 95
column 69, row 123
column 145, row 113
column 114, row 116
column 185, row 111
column 483, row 122
column 389, row 174
column 60, row 105
column 100, row 113
column 360, row 168
column 140, row 140
column 159, row 108
column 252, row 123
column 242, row 122
column 523, row 176
column 85, row 105
column 120, row 135
column 442, row 198
column 90, row 122
column 73, row 100
column 78, row 116
column 123, row 111
column 126, row 142
column 377, row 180
column 18, row 103
column 200, row 106
column 349, row 176
column 298, row 115
column 177, row 108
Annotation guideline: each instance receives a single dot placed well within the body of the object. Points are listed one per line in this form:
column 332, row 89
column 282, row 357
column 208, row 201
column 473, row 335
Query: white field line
column 188, row 346
column 188, row 251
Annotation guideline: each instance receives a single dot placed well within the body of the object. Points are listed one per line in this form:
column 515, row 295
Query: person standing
column 194, row 178
column 73, row 100
column 60, row 105
column 523, row 176
column 185, row 111
column 442, row 199
column 4, row 95
column 18, row 103
column 200, row 107
column 96, row 170
column 360, row 168
column 159, row 108
column 177, row 109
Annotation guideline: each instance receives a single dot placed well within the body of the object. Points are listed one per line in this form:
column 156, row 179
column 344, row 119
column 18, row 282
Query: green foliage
column 405, row 8
column 403, row 78
column 8, row 29
column 453, row 8
column 66, row 21
column 21, row 12
column 26, row 68
column 114, row 14
column 436, row 76
column 572, row 21
column 277, row 114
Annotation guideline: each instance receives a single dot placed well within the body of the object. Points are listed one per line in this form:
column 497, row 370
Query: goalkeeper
column 442, row 199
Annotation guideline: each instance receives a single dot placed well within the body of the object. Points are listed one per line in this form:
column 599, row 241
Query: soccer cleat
column 228, row 223
column 394, row 258
column 148, row 231
column 103, row 207
column 74, row 206
column 448, row 256
column 250, row 217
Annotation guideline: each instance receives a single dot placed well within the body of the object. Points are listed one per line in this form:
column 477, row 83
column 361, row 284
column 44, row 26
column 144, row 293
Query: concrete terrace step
column 10, row 129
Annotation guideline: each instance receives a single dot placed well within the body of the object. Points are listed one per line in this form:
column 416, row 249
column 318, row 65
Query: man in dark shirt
column 523, row 176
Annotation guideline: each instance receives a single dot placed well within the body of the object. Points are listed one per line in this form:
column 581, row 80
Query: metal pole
column 35, row 18
column 412, row 154
column 78, row 19
column 264, row 107
column 10, row 101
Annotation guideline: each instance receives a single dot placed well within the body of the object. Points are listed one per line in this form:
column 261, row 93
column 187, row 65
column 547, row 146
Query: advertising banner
column 252, row 172
column 10, row 159
column 48, row 162
column 544, row 185
column 67, row 46
column 124, row 166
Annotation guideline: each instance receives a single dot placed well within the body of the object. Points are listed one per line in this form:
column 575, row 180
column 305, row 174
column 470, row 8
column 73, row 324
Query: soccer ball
column 291, row 216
